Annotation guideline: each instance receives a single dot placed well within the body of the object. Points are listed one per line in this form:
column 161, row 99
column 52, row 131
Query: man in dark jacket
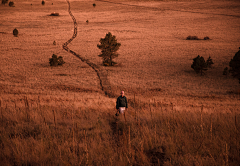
column 121, row 104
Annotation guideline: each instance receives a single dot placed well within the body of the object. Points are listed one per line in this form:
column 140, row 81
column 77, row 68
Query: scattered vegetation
column 206, row 38
column 196, row 38
column 54, row 14
column 235, row 66
column 192, row 38
column 11, row 4
column 225, row 71
column 55, row 61
column 199, row 64
column 42, row 135
column 109, row 46
column 209, row 62
column 4, row 1
column 15, row 32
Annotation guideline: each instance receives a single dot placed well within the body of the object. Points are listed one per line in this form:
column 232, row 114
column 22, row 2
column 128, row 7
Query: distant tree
column 55, row 61
column 4, row 1
column 109, row 46
column 11, row 4
column 235, row 66
column 199, row 64
column 225, row 71
column 15, row 32
column 94, row 5
column 43, row 2
column 209, row 62
column 192, row 38
column 206, row 38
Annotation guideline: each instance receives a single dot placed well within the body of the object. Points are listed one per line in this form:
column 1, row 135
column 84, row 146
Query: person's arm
column 126, row 102
column 117, row 104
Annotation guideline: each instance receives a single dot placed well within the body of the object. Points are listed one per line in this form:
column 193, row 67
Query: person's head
column 122, row 93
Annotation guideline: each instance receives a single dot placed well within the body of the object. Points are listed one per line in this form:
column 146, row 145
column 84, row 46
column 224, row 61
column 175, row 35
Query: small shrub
column 235, row 66
column 4, row 1
column 209, row 62
column 206, row 38
column 199, row 64
column 87, row 21
column 55, row 61
column 94, row 5
column 54, row 14
column 11, row 4
column 192, row 38
column 43, row 2
column 225, row 71
column 15, row 32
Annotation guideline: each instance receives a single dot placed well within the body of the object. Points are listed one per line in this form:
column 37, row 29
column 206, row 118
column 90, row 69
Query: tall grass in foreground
column 152, row 135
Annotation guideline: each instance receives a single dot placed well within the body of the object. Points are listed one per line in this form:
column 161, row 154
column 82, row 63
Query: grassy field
column 60, row 115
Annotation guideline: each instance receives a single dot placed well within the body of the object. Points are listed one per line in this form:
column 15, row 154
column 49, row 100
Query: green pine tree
column 109, row 46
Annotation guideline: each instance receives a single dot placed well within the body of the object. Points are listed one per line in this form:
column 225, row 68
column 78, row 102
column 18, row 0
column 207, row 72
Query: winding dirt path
column 101, row 73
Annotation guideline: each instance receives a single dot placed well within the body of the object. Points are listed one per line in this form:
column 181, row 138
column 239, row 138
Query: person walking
column 121, row 105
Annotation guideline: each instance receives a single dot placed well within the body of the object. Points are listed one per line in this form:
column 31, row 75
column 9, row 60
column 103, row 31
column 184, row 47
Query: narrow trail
column 101, row 73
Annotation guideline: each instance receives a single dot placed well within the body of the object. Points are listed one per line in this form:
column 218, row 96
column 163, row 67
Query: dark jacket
column 121, row 102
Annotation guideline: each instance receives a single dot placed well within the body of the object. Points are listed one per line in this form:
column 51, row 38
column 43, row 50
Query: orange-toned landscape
column 61, row 116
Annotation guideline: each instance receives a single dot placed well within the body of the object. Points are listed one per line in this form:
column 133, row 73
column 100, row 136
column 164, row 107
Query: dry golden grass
column 67, row 119
column 155, row 134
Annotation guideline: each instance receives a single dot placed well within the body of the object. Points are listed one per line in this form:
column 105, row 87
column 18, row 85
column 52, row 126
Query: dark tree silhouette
column 11, row 4
column 15, row 32
column 43, row 2
column 225, row 71
column 109, row 46
column 199, row 64
column 209, row 62
column 4, row 1
column 235, row 66
column 55, row 61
